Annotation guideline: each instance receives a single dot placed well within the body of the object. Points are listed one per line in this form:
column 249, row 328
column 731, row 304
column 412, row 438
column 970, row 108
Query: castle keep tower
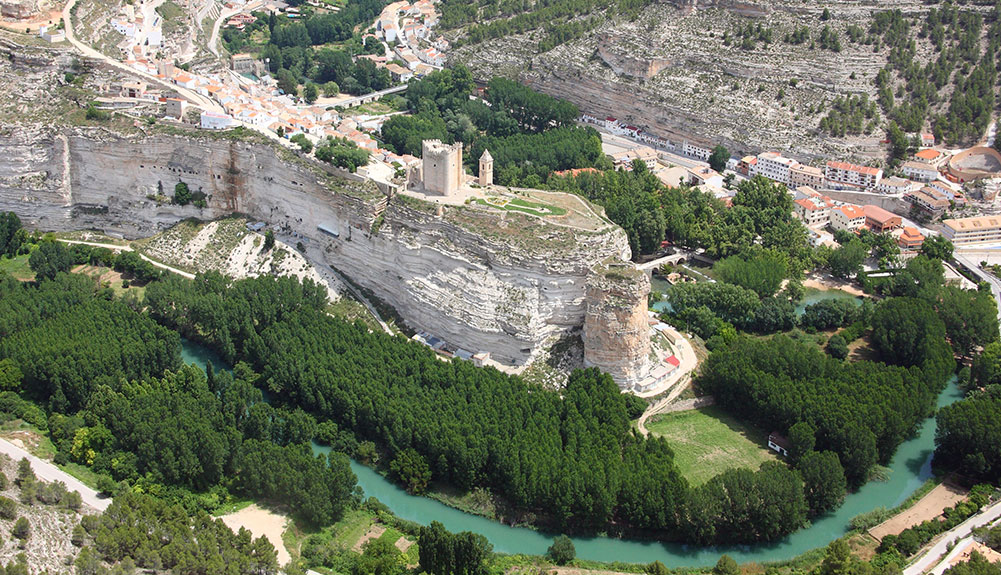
column 486, row 169
column 442, row 167
column 616, row 327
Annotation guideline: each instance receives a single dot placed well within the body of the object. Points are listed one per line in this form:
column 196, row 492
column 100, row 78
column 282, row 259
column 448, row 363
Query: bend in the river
column 910, row 467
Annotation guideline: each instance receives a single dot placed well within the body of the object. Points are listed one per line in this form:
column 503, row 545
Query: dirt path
column 663, row 403
column 928, row 507
column 261, row 522
column 49, row 472
column 113, row 247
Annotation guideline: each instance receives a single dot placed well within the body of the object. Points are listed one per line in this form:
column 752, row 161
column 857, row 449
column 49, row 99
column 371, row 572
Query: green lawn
column 520, row 205
column 707, row 442
column 17, row 267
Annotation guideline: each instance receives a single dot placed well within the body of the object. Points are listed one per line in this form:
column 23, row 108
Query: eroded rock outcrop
column 616, row 324
column 482, row 279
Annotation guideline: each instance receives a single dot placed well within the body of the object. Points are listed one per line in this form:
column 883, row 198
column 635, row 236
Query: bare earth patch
column 261, row 522
column 374, row 532
column 928, row 507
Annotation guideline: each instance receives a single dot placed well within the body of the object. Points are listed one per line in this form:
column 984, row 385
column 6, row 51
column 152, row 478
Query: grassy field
column 17, row 267
column 707, row 442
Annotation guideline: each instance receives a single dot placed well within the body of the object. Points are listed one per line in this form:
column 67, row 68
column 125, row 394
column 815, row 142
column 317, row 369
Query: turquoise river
column 911, row 466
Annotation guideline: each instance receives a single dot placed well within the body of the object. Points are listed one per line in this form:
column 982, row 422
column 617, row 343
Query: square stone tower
column 486, row 169
column 442, row 167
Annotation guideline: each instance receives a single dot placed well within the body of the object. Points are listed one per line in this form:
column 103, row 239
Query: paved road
column 961, row 531
column 194, row 98
column 226, row 15
column 49, row 472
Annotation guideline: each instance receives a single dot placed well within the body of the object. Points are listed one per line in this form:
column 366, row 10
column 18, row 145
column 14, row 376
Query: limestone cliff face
column 616, row 328
column 481, row 279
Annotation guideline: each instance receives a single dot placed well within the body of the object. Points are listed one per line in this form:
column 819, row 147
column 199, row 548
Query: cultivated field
column 707, row 442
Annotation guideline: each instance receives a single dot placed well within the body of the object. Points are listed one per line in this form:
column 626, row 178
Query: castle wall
column 442, row 167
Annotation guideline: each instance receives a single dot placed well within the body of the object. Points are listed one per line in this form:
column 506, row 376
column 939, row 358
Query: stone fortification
column 441, row 166
column 616, row 324
column 481, row 279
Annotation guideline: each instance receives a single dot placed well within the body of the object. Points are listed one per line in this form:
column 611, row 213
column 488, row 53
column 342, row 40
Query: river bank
column 910, row 468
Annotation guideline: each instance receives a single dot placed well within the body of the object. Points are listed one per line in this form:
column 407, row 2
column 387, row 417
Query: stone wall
column 456, row 275
column 616, row 324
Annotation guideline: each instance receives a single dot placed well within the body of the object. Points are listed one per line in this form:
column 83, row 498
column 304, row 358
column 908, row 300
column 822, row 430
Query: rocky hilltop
column 682, row 71
column 480, row 278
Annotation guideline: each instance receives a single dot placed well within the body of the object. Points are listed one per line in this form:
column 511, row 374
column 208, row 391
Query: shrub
column 562, row 551
column 8, row 508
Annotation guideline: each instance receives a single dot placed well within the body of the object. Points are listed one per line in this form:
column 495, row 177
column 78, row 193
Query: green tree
column 562, row 551
column 726, row 566
column 937, row 247
column 269, row 240
column 823, row 480
column 182, row 195
column 8, row 508
column 802, row 439
column 970, row 317
column 718, row 158
column 412, row 470
column 79, row 536
column 379, row 557
column 837, row 559
column 49, row 259
column 303, row 142
column 837, row 347
column 310, row 93
column 10, row 375
column 846, row 260
column 21, row 529
column 331, row 89
column 287, row 82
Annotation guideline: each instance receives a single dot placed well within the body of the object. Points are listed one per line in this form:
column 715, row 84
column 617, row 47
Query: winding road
column 195, row 99
column 48, row 472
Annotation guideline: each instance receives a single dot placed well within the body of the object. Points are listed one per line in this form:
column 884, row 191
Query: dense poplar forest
column 571, row 459
column 117, row 399
column 862, row 410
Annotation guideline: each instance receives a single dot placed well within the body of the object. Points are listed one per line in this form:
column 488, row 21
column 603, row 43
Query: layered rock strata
column 480, row 278
column 616, row 324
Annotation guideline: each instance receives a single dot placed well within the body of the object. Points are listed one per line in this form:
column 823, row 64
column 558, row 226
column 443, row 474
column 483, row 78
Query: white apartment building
column 847, row 218
column 981, row 229
column 696, row 151
column 812, row 212
column 852, row 175
column 773, row 166
column 895, row 185
column 919, row 171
